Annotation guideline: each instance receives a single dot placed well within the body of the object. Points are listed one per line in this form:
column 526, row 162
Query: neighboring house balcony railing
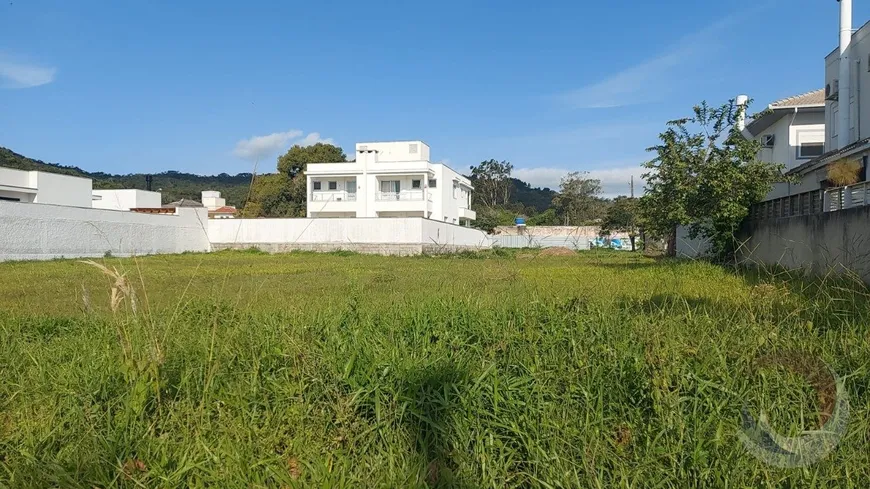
column 814, row 202
column 333, row 196
column 793, row 205
column 837, row 199
column 402, row 195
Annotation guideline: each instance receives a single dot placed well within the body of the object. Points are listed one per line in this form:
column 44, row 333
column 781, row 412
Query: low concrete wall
column 579, row 232
column 44, row 231
column 385, row 236
column 688, row 247
column 819, row 243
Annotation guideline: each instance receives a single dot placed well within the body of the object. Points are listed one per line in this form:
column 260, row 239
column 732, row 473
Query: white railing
column 402, row 195
column 845, row 197
column 333, row 196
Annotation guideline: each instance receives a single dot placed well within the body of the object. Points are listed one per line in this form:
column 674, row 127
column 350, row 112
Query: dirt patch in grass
column 558, row 251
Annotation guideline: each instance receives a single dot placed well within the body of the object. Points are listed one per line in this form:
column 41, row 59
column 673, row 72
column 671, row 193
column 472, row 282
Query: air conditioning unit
column 832, row 90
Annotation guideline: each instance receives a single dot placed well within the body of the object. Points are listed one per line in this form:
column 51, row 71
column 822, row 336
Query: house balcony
column 336, row 202
column 467, row 214
column 406, row 195
column 333, row 196
column 404, row 201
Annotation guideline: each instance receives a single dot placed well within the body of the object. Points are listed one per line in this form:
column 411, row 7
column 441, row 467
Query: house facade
column 389, row 179
column 791, row 132
column 125, row 199
column 217, row 205
column 41, row 187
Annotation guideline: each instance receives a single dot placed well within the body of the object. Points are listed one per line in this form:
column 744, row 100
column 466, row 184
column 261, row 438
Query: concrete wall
column 585, row 232
column 42, row 232
column 400, row 236
column 126, row 199
column 819, row 243
column 688, row 247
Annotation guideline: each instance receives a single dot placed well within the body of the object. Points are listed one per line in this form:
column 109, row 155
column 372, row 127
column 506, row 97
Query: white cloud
column 653, row 78
column 614, row 181
column 312, row 139
column 18, row 74
column 261, row 147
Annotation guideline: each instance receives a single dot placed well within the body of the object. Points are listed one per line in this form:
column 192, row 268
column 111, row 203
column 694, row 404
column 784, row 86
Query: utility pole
column 631, row 236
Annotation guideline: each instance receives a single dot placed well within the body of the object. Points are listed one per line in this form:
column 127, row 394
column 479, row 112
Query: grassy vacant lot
column 247, row 370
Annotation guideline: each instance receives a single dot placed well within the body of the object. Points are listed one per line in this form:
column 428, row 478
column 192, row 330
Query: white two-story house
column 389, row 179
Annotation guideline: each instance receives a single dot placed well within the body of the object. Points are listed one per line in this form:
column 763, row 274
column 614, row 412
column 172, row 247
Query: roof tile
column 816, row 97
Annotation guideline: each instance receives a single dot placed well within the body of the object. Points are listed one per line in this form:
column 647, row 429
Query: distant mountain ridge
column 172, row 184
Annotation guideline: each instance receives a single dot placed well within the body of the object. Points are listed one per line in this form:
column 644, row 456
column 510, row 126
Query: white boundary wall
column 387, row 236
column 44, row 231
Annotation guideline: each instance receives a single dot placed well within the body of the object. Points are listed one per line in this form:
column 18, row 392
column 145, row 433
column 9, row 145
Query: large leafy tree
column 492, row 183
column 577, row 200
column 705, row 175
column 283, row 194
column 298, row 157
column 622, row 217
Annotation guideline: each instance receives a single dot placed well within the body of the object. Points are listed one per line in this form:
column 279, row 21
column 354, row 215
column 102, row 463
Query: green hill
column 172, row 184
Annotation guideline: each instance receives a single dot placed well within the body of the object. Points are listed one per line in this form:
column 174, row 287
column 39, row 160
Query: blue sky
column 210, row 87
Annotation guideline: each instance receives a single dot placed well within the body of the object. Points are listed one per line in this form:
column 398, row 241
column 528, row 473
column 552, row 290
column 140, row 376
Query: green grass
column 239, row 369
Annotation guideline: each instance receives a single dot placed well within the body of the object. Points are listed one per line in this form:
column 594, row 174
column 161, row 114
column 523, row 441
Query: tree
column 297, row 158
column 284, row 194
column 546, row 218
column 622, row 217
column 492, row 182
column 577, row 199
column 276, row 195
column 705, row 175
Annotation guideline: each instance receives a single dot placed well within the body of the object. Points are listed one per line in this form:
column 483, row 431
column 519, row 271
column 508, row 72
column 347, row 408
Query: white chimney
column 843, row 129
column 741, row 101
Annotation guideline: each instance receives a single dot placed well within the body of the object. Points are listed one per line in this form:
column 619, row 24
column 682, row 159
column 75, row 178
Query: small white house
column 126, row 199
column 217, row 205
column 389, row 179
column 41, row 187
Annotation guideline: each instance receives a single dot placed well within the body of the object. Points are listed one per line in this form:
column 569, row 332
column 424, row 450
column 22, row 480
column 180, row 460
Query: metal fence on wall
column 794, row 205
column 815, row 202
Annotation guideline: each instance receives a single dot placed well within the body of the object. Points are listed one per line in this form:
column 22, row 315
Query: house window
column 333, row 185
column 768, row 140
column 316, row 185
column 433, row 183
column 390, row 189
column 810, row 150
column 415, row 183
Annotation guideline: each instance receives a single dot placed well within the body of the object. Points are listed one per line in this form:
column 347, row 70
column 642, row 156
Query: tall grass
column 600, row 370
